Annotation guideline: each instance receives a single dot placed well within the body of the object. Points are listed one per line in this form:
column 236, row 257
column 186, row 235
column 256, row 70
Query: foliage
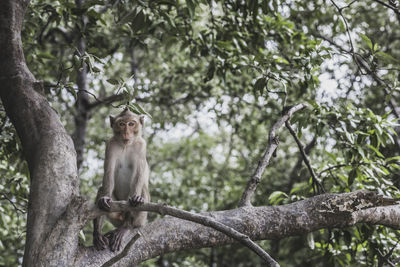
column 13, row 196
column 212, row 77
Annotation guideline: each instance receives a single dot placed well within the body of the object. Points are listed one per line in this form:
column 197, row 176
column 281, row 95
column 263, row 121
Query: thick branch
column 264, row 161
column 258, row 223
column 197, row 218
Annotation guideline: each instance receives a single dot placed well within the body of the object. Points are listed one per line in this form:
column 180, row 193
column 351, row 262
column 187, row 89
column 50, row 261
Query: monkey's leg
column 116, row 236
column 99, row 241
column 139, row 219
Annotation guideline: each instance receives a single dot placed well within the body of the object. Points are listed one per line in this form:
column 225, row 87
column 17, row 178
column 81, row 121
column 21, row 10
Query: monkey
column 126, row 177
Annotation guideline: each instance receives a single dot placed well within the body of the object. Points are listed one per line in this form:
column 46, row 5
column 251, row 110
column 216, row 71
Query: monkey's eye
column 131, row 123
column 121, row 123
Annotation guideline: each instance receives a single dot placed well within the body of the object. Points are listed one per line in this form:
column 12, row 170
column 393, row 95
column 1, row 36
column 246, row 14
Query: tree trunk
column 47, row 147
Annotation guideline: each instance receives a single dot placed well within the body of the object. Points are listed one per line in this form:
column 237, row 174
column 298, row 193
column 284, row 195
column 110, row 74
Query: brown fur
column 126, row 176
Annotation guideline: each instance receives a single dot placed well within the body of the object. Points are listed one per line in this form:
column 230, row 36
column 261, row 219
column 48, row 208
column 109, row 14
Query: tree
column 232, row 74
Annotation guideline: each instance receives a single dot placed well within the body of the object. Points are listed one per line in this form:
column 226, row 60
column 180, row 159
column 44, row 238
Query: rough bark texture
column 47, row 147
column 259, row 223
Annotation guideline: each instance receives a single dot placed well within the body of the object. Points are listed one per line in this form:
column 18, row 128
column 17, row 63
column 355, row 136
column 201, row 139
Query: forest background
column 212, row 78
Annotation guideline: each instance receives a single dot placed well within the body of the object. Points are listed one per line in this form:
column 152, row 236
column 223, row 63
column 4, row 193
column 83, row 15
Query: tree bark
column 259, row 223
column 47, row 147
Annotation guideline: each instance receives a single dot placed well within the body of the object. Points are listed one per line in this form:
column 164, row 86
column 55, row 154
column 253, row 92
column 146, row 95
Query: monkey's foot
column 136, row 200
column 100, row 242
column 115, row 238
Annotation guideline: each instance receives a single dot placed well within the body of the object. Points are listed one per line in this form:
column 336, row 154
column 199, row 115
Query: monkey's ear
column 112, row 119
column 141, row 119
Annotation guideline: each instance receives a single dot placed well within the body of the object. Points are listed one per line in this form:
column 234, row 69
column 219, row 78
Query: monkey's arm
column 104, row 196
column 141, row 181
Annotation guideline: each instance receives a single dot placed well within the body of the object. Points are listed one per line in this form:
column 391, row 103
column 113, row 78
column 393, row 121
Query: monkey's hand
column 100, row 242
column 136, row 200
column 104, row 203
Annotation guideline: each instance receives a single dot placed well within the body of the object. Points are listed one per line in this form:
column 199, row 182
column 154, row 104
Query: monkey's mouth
column 126, row 137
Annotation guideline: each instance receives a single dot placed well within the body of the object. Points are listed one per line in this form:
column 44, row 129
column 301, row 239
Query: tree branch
column 105, row 101
column 163, row 209
column 264, row 161
column 258, row 223
column 5, row 197
column 345, row 24
column 396, row 10
column 295, row 175
column 124, row 252
column 317, row 186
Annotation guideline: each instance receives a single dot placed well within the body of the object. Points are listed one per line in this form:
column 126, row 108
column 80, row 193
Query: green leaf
column 138, row 21
column 386, row 57
column 260, row 85
column 366, row 40
column 133, row 109
column 347, row 237
column 397, row 158
column 191, row 7
column 376, row 151
column 78, row 11
column 96, row 69
column 90, row 3
column 276, row 196
column 46, row 55
column 376, row 47
column 140, row 109
column 281, row 60
column 113, row 81
column 210, row 71
column 352, row 176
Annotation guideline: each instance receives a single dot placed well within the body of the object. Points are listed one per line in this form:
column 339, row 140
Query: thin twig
column 345, row 24
column 107, row 100
column 317, row 186
column 264, row 161
column 328, row 169
column 294, row 173
column 384, row 258
column 388, row 6
column 164, row 209
column 5, row 197
column 123, row 253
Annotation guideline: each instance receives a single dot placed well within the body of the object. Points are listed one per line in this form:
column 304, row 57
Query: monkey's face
column 127, row 125
column 127, row 128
